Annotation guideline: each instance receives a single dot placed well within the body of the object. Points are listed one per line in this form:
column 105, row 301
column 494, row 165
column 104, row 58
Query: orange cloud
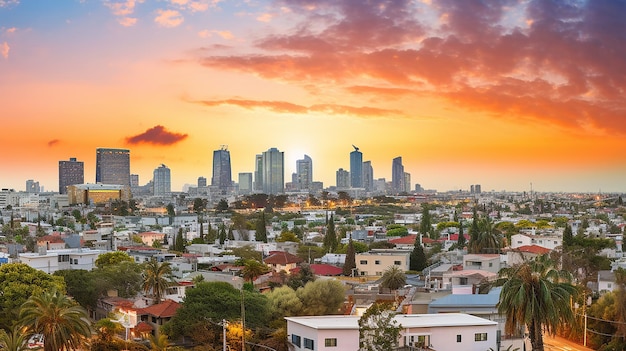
column 157, row 135
column 53, row 142
column 169, row 18
column 4, row 50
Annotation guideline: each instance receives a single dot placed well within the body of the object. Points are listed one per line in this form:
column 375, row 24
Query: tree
column 284, row 302
column 81, row 286
column 330, row 238
column 425, row 222
column 261, row 231
column 321, row 297
column 253, row 269
column 62, row 322
column 106, row 330
column 350, row 264
column 171, row 212
column 417, row 259
column 124, row 277
column 393, row 278
column 300, row 279
column 222, row 206
column 460, row 242
column 568, row 236
column 179, row 243
column 160, row 343
column 487, row 240
column 378, row 330
column 18, row 282
column 157, row 278
column 536, row 295
column 14, row 340
column 112, row 258
column 285, row 236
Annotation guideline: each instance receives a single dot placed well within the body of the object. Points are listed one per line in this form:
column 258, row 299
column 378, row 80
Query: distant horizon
column 499, row 93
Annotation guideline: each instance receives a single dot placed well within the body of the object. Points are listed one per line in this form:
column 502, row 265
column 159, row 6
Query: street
column 560, row 344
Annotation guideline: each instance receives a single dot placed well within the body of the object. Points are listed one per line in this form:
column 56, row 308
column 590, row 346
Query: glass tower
column 70, row 173
column 273, row 172
column 161, row 181
column 397, row 175
column 221, row 169
column 304, row 173
column 113, row 166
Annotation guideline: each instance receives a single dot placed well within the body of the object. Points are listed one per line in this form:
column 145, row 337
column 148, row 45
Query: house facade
column 376, row 262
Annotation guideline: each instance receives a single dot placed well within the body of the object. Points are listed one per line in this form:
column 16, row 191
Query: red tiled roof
column 536, row 249
column 405, row 240
column 51, row 239
column 282, row 258
column 322, row 269
column 150, row 233
column 164, row 309
column 143, row 327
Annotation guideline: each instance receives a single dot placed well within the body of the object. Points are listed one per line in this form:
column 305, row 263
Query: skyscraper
column 70, row 173
column 113, row 166
column 368, row 176
column 201, row 182
column 161, row 181
column 222, row 178
column 304, row 173
column 407, row 182
column 343, row 178
column 397, row 175
column 273, row 172
column 245, row 183
column 32, row 186
column 258, row 173
column 356, row 168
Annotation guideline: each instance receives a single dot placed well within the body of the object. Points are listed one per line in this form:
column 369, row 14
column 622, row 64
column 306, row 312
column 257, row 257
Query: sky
column 509, row 94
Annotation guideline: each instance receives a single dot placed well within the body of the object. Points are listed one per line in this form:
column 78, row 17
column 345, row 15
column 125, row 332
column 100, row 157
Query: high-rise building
column 397, row 176
column 32, row 186
column 343, row 179
column 304, row 173
column 356, row 168
column 113, row 166
column 245, row 183
column 273, row 172
column 368, row 176
column 475, row 189
column 161, row 181
column 201, row 182
column 407, row 182
column 134, row 180
column 258, row 173
column 222, row 178
column 70, row 172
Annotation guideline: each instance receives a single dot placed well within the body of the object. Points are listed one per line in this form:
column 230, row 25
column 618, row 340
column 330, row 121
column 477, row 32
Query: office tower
column 304, row 173
column 273, row 172
column 134, row 180
column 356, row 168
column 343, row 178
column 245, row 183
column 407, row 182
column 222, row 178
column 70, row 172
column 161, row 181
column 368, row 176
column 258, row 173
column 32, row 186
column 397, row 175
column 113, row 166
column 201, row 182
column 475, row 189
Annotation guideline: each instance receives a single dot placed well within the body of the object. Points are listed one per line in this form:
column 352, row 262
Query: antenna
column 355, row 148
column 224, row 147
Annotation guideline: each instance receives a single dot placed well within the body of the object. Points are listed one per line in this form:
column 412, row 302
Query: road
column 560, row 344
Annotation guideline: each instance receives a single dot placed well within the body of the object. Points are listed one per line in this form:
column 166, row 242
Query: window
column 295, row 339
column 363, row 262
column 64, row 258
column 377, row 262
column 308, row 344
column 458, row 338
column 397, row 263
column 330, row 342
column 490, row 264
column 480, row 337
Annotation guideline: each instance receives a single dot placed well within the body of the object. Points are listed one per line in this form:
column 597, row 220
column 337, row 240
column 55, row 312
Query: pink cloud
column 4, row 50
column 157, row 135
column 169, row 18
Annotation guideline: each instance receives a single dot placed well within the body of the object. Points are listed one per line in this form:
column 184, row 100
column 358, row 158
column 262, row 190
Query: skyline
column 498, row 93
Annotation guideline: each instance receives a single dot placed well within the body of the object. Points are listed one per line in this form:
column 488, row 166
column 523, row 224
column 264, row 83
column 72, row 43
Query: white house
column 446, row 331
column 485, row 262
column 51, row 261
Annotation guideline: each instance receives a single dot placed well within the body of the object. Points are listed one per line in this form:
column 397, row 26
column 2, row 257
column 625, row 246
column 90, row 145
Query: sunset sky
column 498, row 93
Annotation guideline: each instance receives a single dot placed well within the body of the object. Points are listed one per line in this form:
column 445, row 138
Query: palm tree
column 63, row 323
column 159, row 343
column 252, row 269
column 537, row 295
column 157, row 278
column 393, row 278
column 15, row 340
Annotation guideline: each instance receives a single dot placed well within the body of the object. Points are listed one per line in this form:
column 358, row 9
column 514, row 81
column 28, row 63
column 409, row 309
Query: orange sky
column 502, row 95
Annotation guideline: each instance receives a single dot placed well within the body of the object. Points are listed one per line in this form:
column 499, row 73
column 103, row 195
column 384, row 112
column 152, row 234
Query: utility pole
column 224, row 336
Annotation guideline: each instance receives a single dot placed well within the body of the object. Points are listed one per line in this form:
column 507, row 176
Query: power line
column 600, row 319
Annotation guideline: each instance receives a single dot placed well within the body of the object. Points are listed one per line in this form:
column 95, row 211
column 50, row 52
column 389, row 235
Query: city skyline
column 500, row 93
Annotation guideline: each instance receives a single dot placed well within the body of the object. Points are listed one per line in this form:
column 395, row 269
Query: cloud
column 227, row 35
column 11, row 30
column 157, row 135
column 53, row 142
column 4, row 50
column 122, row 10
column 548, row 62
column 169, row 18
column 287, row 107
column 7, row 3
column 265, row 17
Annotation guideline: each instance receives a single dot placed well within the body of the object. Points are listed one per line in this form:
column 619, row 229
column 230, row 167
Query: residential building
column 273, row 172
column 356, row 168
column 282, row 261
column 368, row 176
column 343, row 179
column 375, row 262
column 397, row 175
column 222, row 178
column 51, row 261
column 201, row 182
column 148, row 238
column 606, row 281
column 448, row 331
column 70, row 172
column 245, row 183
column 485, row 262
column 113, row 166
column 304, row 173
column 32, row 186
column 161, row 181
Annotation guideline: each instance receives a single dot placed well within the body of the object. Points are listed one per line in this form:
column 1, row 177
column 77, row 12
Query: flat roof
column 406, row 320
